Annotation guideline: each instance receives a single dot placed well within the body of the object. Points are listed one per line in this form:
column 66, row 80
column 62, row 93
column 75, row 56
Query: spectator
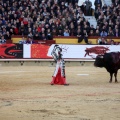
column 84, row 36
column 88, row 5
column 42, row 31
column 92, row 33
column 11, row 32
column 30, row 33
column 103, row 33
column 36, row 36
column 43, row 37
column 2, row 40
column 7, row 36
column 82, row 5
column 30, row 40
column 98, row 27
column 92, row 28
column 104, row 8
column 97, row 33
column 98, row 40
column 97, row 12
column 22, row 41
column 49, row 35
column 60, row 32
column 117, row 33
column 39, row 28
column 98, row 3
column 15, row 29
column 22, row 30
column 79, row 35
column 66, row 32
column 8, row 27
column 116, row 3
column 54, row 32
column 102, row 41
column 72, row 29
column 86, row 27
column 4, row 30
column 111, row 42
column 110, row 32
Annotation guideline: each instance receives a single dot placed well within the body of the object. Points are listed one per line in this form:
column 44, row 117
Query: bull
column 111, row 61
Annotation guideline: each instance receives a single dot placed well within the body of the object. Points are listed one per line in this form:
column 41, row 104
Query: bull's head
column 99, row 61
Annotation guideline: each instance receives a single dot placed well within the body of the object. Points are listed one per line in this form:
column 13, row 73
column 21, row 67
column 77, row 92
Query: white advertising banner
column 84, row 51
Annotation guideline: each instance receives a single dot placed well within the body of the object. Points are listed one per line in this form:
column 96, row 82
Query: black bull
column 111, row 61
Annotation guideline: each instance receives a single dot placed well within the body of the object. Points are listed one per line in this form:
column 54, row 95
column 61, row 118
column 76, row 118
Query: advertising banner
column 37, row 51
column 85, row 51
column 41, row 51
column 11, row 51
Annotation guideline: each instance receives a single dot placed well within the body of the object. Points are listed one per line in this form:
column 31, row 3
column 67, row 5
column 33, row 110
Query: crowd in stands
column 108, row 19
column 44, row 19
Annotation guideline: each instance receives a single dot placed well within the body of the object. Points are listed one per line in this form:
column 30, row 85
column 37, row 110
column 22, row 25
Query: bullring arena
column 26, row 93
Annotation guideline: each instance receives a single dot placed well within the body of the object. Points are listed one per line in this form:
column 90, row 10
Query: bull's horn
column 101, row 56
column 93, row 57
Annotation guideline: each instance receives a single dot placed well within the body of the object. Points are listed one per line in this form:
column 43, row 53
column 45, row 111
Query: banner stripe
column 27, row 51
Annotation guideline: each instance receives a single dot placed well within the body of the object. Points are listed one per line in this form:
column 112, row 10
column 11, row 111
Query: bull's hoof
column 116, row 81
column 110, row 81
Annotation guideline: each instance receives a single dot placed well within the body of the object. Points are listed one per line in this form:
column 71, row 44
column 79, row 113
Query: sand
column 26, row 94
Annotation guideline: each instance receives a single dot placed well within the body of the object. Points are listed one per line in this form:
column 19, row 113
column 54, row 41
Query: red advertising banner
column 39, row 51
column 11, row 51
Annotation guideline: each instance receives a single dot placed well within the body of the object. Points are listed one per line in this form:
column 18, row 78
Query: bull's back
column 108, row 61
column 115, row 57
column 112, row 60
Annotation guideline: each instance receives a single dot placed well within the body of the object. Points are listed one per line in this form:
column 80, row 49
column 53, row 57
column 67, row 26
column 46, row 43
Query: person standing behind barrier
column 59, row 76
column 79, row 35
column 102, row 41
column 84, row 36
column 30, row 40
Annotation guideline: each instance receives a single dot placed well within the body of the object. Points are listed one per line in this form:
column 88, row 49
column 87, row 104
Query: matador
column 59, row 73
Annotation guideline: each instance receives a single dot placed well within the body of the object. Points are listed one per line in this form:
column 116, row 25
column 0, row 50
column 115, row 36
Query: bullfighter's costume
column 58, row 77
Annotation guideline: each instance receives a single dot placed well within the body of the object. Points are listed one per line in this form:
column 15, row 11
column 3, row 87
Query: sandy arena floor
column 25, row 94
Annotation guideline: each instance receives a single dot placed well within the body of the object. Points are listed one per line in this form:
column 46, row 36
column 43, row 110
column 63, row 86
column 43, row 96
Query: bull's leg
column 115, row 74
column 111, row 75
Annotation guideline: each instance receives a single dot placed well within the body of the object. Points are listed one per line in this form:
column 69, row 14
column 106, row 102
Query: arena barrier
column 40, row 55
column 44, row 62
column 63, row 40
